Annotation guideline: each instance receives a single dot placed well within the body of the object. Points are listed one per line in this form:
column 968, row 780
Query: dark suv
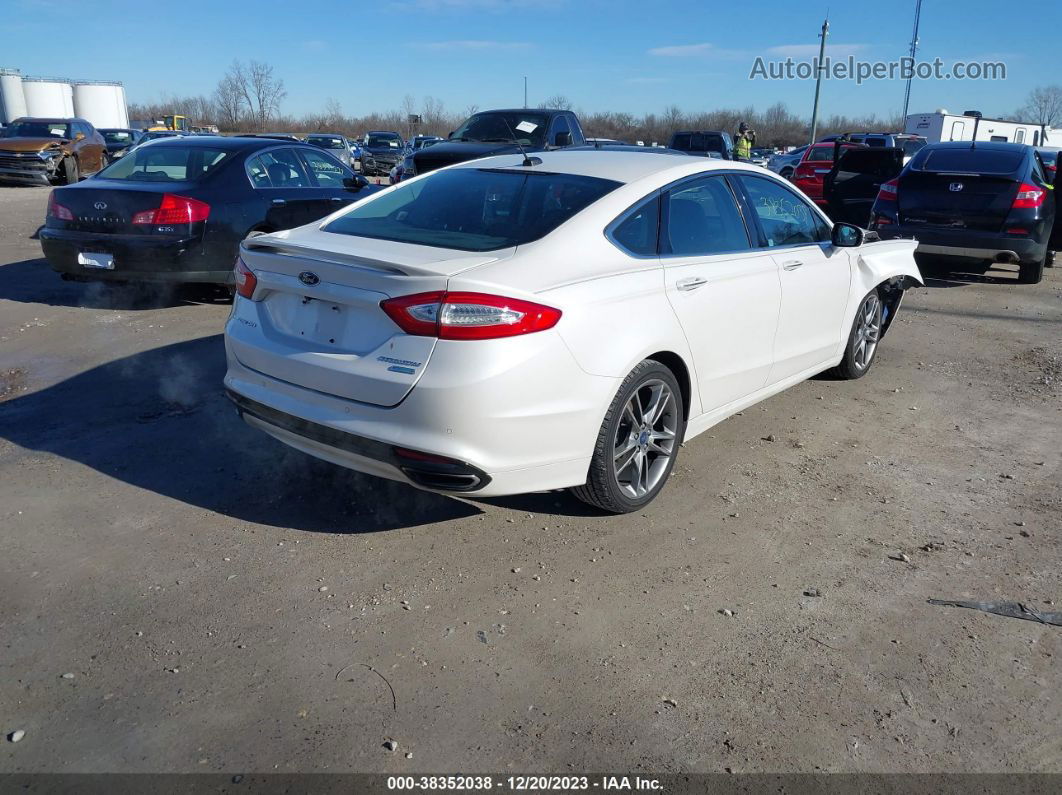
column 499, row 132
column 704, row 143
column 991, row 202
column 381, row 150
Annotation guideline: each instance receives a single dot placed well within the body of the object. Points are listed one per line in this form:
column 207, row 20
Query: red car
column 813, row 166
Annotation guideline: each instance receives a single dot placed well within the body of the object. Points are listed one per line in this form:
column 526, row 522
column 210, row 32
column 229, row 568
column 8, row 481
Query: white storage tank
column 48, row 98
column 12, row 98
column 101, row 102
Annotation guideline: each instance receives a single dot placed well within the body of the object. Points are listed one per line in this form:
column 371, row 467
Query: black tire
column 71, row 173
column 1050, row 259
column 604, row 488
column 866, row 328
column 1032, row 272
column 786, row 173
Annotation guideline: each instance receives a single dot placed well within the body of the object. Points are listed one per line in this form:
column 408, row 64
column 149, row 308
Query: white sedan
column 516, row 324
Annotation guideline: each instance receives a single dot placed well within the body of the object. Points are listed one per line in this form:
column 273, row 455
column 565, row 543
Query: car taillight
column 58, row 211
column 804, row 171
column 246, row 281
column 889, row 191
column 468, row 316
column 1029, row 197
column 174, row 210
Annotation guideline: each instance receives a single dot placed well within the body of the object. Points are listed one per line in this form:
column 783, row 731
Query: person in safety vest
column 743, row 142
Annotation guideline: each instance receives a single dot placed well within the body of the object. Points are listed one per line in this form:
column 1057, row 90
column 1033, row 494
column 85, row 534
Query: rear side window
column 164, row 163
column 637, row 232
column 820, row 154
column 879, row 162
column 972, row 160
column 473, row 209
column 703, row 218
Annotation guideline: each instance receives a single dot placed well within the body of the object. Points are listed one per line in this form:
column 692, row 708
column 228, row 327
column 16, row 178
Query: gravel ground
column 182, row 593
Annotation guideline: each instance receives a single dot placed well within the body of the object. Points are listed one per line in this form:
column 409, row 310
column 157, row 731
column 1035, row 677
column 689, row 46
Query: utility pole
column 818, row 78
column 525, row 91
column 914, row 50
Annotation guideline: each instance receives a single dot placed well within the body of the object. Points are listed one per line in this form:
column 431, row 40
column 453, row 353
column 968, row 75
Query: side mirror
column 847, row 235
column 355, row 183
column 451, row 134
column 562, row 139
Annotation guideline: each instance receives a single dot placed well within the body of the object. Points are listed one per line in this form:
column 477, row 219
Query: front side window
column 281, row 167
column 703, row 218
column 326, row 172
column 473, row 209
column 163, row 163
column 786, row 219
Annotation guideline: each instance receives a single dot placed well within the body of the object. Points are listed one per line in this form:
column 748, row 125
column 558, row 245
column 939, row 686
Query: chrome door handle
column 280, row 201
column 691, row 283
column 791, row 265
column 337, row 198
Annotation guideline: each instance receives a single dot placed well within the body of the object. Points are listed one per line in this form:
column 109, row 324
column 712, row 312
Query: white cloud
column 811, row 50
column 471, row 45
column 703, row 50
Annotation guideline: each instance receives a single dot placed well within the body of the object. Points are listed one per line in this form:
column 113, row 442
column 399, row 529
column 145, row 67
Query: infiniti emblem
column 309, row 279
column 955, row 187
column 100, row 205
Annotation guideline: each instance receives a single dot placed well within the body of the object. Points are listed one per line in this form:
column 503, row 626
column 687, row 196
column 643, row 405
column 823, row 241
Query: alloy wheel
column 868, row 331
column 645, row 438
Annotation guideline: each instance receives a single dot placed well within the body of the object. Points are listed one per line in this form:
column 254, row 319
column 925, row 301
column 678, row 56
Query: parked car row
column 439, row 332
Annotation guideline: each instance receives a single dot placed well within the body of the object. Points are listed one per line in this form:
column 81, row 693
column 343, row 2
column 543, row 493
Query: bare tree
column 333, row 115
column 266, row 90
column 1043, row 106
column 433, row 115
column 471, row 110
column 557, row 102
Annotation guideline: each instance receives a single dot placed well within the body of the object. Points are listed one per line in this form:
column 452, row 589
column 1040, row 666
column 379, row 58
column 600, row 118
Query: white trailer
column 944, row 126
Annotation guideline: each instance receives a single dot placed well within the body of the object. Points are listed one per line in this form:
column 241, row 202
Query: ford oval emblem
column 955, row 187
column 100, row 205
column 309, row 278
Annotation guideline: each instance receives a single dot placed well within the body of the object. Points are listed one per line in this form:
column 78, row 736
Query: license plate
column 91, row 260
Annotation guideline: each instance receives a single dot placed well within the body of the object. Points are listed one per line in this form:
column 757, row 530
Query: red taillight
column 468, row 316
column 889, row 191
column 246, row 281
column 1017, row 230
column 56, row 210
column 174, row 210
column 804, row 171
column 1029, row 197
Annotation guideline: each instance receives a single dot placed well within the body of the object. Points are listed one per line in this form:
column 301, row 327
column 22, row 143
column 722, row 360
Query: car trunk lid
column 955, row 201
column 318, row 322
column 109, row 207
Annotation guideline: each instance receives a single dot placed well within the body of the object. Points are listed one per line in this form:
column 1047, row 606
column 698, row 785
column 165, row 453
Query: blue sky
column 602, row 54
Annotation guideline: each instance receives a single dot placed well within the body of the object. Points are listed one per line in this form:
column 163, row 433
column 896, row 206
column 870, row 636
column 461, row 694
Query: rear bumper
column 523, row 423
column 968, row 244
column 137, row 258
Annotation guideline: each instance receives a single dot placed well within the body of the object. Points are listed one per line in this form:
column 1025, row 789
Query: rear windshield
column 697, row 142
column 326, row 143
column 822, row 154
column 117, row 136
column 166, row 163
column 972, row 160
column 911, row 146
column 473, row 209
column 881, row 162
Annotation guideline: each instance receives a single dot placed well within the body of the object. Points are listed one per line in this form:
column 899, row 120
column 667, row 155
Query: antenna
column 914, row 50
column 528, row 162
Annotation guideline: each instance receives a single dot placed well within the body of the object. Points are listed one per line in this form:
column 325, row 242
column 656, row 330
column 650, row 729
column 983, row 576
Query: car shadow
column 944, row 274
column 32, row 281
column 158, row 420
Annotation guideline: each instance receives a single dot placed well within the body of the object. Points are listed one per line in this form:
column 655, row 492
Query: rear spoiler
column 268, row 244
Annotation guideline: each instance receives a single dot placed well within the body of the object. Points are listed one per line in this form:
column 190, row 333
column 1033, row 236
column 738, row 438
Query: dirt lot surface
column 182, row 593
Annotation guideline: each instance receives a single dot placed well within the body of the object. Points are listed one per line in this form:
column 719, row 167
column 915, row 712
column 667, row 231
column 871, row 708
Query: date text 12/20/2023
column 521, row 783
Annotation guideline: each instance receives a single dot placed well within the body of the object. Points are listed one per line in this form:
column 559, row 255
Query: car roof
column 228, row 143
column 989, row 146
column 325, row 135
column 617, row 164
column 48, row 119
